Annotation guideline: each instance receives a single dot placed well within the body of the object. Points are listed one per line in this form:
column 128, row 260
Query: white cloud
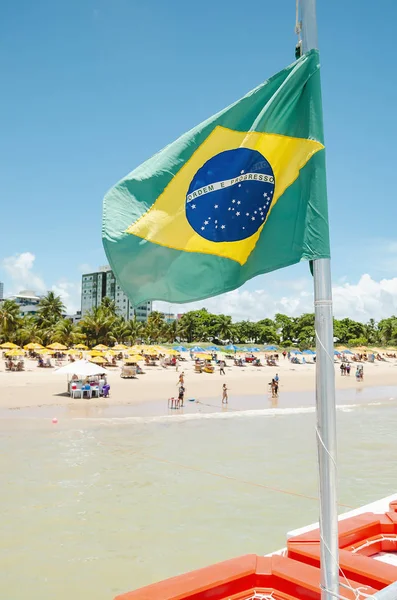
column 19, row 270
column 21, row 275
column 362, row 300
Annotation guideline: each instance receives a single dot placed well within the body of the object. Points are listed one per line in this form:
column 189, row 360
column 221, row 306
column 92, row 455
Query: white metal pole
column 325, row 384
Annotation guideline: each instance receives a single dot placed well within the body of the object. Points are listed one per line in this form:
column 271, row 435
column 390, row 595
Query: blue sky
column 91, row 88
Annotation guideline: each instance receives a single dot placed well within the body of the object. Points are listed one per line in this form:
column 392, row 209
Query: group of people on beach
column 345, row 369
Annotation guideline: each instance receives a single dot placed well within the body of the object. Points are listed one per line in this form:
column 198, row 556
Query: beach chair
column 75, row 389
column 198, row 369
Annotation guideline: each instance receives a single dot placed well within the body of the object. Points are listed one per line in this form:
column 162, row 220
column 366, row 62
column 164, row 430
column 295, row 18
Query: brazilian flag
column 241, row 194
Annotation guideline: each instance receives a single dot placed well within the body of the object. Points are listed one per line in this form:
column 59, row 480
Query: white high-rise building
column 101, row 284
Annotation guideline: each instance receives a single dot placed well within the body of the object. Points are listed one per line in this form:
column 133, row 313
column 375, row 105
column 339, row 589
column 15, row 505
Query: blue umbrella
column 337, row 352
column 213, row 348
column 197, row 349
column 231, row 347
column 271, row 348
column 308, row 352
column 180, row 348
column 253, row 349
column 346, row 352
column 297, row 352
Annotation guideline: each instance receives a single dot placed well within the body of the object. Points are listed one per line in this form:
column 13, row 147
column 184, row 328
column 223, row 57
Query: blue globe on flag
column 230, row 195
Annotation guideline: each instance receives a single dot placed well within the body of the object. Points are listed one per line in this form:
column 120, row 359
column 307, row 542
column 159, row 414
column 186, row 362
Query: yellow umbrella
column 44, row 351
column 112, row 352
column 57, row 346
column 134, row 350
column 74, row 351
column 15, row 352
column 99, row 360
column 120, row 347
column 33, row 346
column 151, row 352
column 9, row 346
column 204, row 356
column 95, row 353
column 80, row 347
column 172, row 351
column 100, row 347
column 134, row 358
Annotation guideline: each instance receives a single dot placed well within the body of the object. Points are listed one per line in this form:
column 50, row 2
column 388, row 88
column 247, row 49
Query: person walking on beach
column 181, row 395
column 181, row 380
column 277, row 379
column 274, row 388
column 221, row 367
column 225, row 397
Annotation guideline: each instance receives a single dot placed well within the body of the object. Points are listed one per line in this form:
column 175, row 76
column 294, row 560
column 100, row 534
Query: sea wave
column 225, row 414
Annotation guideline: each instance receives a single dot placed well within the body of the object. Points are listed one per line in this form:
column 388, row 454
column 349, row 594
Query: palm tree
column 97, row 326
column 29, row 331
column 187, row 327
column 51, row 309
column 66, row 332
column 224, row 327
column 9, row 319
column 134, row 330
column 155, row 326
column 119, row 331
column 109, row 306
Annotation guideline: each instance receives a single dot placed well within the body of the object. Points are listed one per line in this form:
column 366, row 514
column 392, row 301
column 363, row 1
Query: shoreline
column 289, row 403
column 35, row 388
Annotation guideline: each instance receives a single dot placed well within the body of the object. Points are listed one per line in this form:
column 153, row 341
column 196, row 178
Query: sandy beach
column 36, row 387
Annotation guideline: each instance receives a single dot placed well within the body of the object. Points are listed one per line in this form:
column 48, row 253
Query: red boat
column 367, row 556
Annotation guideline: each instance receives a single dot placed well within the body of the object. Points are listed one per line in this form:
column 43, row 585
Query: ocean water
column 93, row 507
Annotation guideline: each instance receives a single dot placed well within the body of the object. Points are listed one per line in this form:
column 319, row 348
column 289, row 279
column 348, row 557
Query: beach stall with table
column 85, row 379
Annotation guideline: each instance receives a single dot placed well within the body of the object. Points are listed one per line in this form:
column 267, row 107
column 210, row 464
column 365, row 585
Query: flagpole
column 325, row 383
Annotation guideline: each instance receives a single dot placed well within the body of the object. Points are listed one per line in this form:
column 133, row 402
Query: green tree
column 97, row 326
column 66, row 332
column 285, row 326
column 50, row 310
column 10, row 320
column 134, row 331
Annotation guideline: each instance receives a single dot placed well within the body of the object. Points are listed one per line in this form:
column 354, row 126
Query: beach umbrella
column 232, row 347
column 81, row 367
column 252, row 349
column 180, row 348
column 9, row 346
column 271, row 348
column 171, row 351
column 346, row 352
column 33, row 346
column 296, row 352
column 95, row 353
column 80, row 347
column 308, row 352
column 100, row 347
column 134, row 358
column 57, row 346
column 112, row 352
column 44, row 351
column 213, row 348
column 151, row 352
column 197, row 349
column 120, row 347
column 337, row 352
column 15, row 352
column 205, row 356
column 98, row 360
